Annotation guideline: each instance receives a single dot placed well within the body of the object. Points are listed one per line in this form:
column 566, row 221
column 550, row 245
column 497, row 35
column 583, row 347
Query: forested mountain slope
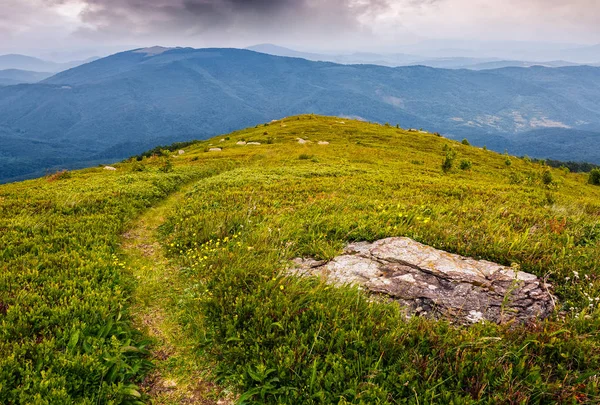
column 132, row 101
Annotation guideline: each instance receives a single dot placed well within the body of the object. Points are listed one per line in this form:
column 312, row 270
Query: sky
column 69, row 28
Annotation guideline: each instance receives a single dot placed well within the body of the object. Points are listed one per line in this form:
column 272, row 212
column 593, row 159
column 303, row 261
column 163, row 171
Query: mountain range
column 132, row 101
column 406, row 59
column 23, row 62
column 18, row 69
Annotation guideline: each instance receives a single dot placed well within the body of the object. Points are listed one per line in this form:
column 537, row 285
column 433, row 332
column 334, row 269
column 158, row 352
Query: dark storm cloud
column 233, row 17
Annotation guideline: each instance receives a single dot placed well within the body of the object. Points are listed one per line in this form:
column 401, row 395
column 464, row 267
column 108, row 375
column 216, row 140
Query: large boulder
column 431, row 282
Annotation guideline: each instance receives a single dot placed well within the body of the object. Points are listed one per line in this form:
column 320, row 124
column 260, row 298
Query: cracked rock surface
column 435, row 283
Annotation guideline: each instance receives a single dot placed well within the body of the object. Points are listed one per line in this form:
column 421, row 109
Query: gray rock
column 112, row 169
column 215, row 150
column 435, row 283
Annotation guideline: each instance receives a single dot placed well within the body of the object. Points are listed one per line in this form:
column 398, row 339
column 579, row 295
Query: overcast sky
column 58, row 26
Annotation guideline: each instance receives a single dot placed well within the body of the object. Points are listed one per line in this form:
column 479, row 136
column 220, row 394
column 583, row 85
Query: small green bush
column 466, row 164
column 594, row 178
column 167, row 166
column 547, row 177
column 305, row 156
column 138, row 167
column 448, row 161
column 466, row 142
column 62, row 175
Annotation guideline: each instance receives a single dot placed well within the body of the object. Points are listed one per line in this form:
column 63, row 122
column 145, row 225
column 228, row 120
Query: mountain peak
column 153, row 50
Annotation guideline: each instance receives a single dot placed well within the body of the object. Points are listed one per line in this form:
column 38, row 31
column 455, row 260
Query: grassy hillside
column 247, row 211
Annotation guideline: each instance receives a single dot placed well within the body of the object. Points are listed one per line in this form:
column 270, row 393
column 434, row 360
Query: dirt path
column 178, row 377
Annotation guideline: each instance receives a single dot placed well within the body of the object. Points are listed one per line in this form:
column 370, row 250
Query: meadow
column 247, row 212
column 64, row 333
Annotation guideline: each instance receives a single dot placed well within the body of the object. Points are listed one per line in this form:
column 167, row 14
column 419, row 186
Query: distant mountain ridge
column 402, row 59
column 15, row 76
column 132, row 101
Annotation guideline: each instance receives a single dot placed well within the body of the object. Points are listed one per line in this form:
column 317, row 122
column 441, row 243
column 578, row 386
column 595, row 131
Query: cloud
column 311, row 24
column 230, row 19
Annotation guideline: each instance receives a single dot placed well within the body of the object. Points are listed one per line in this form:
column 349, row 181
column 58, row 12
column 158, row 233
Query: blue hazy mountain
column 15, row 76
column 29, row 63
column 403, row 59
column 132, row 101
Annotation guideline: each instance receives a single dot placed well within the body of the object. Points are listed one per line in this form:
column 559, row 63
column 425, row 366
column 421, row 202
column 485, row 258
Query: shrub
column 448, row 161
column 594, row 178
column 465, row 164
column 167, row 166
column 507, row 161
column 64, row 174
column 547, row 178
column 138, row 167
column 304, row 156
column 466, row 142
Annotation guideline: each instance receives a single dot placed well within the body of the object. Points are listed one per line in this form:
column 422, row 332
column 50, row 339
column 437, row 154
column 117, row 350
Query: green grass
column 284, row 340
column 65, row 336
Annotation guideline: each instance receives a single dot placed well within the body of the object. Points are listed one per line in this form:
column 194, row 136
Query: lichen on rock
column 435, row 283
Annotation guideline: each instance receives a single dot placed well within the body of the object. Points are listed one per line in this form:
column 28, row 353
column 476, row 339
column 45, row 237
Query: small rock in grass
column 215, row 150
column 240, row 143
column 112, row 169
column 323, row 143
column 169, row 384
column 302, row 141
column 253, row 143
column 181, row 152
